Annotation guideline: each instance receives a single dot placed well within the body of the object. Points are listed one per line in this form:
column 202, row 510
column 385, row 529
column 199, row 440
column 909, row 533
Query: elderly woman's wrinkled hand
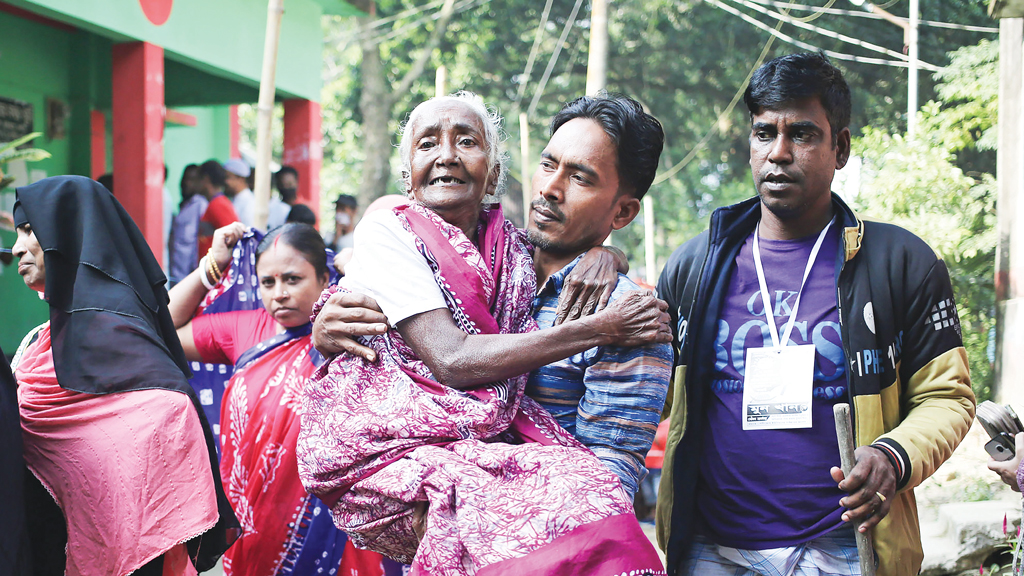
column 636, row 319
column 590, row 285
column 224, row 240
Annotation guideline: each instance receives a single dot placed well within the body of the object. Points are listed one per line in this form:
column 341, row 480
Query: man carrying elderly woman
column 428, row 451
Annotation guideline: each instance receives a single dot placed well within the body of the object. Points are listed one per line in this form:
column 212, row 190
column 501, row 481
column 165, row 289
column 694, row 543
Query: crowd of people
column 463, row 397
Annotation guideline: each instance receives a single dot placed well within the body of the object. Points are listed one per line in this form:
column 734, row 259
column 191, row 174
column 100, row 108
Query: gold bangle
column 213, row 265
column 214, row 277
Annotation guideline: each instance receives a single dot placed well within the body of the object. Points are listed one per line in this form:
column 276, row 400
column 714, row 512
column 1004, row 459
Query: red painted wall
column 303, row 148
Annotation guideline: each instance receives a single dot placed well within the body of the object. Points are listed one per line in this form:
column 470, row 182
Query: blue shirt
column 184, row 238
column 609, row 397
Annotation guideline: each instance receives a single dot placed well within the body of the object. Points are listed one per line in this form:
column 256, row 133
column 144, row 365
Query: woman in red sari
column 284, row 530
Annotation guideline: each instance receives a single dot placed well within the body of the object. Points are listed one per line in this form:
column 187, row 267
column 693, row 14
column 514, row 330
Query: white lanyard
column 766, row 299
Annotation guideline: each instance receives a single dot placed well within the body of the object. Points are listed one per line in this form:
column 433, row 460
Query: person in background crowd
column 287, row 532
column 236, row 186
column 219, row 211
column 286, row 180
column 345, row 208
column 755, row 304
column 111, row 427
column 168, row 214
column 107, row 180
column 302, row 214
column 184, row 239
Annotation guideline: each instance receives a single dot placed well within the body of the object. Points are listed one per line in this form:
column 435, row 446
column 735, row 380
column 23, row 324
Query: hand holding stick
column 844, row 433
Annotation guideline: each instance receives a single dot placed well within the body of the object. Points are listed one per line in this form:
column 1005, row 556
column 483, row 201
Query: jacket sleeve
column 935, row 395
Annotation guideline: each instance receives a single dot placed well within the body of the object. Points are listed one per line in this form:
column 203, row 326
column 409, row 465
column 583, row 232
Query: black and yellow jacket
column 909, row 383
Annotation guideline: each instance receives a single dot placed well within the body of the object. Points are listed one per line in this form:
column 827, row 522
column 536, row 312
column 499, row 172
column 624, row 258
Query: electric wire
column 533, row 51
column 461, row 6
column 834, row 35
column 554, row 58
column 714, row 127
column 873, row 16
column 806, row 46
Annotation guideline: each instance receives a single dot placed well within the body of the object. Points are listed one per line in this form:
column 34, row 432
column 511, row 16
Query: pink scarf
column 129, row 470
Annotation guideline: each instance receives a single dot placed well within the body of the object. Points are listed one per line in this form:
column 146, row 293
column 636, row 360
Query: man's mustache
column 542, row 203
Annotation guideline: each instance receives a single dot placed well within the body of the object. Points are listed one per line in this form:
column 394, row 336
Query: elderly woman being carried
column 431, row 454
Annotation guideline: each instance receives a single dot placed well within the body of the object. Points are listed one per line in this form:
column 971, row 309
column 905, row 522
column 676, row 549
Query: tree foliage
column 684, row 60
column 940, row 185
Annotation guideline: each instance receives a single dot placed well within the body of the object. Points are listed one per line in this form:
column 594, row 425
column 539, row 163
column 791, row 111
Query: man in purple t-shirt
column 788, row 304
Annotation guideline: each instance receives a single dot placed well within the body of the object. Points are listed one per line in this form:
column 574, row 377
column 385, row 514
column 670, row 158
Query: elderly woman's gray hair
column 493, row 136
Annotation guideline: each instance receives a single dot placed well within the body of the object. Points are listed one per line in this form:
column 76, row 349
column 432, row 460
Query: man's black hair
column 637, row 135
column 346, row 201
column 285, row 169
column 794, row 77
column 107, row 180
column 214, row 171
column 302, row 238
column 302, row 214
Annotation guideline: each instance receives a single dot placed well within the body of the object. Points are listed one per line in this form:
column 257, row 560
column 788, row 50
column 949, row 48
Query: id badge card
column 777, row 387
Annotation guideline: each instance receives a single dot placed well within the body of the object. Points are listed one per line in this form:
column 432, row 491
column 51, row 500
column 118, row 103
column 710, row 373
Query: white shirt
column 387, row 265
column 245, row 204
column 277, row 213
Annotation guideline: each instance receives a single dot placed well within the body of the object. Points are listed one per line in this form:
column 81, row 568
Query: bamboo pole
column 440, row 80
column 265, row 112
column 844, row 434
column 649, row 260
column 524, row 149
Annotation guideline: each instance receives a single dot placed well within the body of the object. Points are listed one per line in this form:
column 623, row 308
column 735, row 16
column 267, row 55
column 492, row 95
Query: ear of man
column 627, row 207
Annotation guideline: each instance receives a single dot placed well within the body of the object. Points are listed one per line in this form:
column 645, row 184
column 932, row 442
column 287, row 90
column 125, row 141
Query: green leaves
column 941, row 187
column 9, row 153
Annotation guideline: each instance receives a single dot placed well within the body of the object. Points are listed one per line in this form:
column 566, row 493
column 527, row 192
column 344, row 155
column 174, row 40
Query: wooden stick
column 265, row 113
column 844, row 434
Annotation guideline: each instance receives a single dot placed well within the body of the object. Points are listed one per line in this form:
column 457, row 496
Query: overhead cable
column 873, row 16
column 461, row 6
column 834, row 35
column 554, row 58
column 805, row 45
column 533, row 51
column 714, row 126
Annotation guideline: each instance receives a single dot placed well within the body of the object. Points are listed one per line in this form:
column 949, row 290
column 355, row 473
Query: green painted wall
column 34, row 64
column 222, row 37
column 39, row 62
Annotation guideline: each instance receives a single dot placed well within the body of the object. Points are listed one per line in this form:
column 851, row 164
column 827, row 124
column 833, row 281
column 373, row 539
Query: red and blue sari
column 285, row 531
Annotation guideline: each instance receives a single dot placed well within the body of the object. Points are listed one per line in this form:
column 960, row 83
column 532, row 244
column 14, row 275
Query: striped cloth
column 834, row 553
column 610, row 398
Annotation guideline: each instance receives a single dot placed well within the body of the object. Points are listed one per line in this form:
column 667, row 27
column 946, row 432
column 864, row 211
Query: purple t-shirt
column 764, row 489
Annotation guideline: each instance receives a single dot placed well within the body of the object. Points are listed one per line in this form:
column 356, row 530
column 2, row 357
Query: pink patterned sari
column 509, row 491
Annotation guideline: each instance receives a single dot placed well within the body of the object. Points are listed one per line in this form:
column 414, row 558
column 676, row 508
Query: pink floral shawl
column 378, row 438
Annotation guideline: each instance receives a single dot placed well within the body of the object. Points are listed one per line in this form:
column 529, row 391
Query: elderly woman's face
column 449, row 167
column 30, row 258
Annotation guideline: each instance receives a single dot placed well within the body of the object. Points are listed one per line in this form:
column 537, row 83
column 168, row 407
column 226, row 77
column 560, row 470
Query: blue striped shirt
column 609, row 397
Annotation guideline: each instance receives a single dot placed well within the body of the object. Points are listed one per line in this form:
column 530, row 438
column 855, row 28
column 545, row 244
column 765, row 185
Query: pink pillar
column 98, row 146
column 302, row 148
column 138, row 119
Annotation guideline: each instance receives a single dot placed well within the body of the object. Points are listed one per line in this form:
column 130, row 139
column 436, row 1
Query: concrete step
column 962, row 535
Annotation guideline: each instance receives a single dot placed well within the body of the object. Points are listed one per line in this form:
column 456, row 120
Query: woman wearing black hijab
column 110, row 425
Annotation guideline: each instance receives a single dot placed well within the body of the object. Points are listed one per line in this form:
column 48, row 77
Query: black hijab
column 110, row 329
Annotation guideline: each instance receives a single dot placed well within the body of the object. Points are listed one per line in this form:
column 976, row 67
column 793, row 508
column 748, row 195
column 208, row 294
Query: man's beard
column 554, row 246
